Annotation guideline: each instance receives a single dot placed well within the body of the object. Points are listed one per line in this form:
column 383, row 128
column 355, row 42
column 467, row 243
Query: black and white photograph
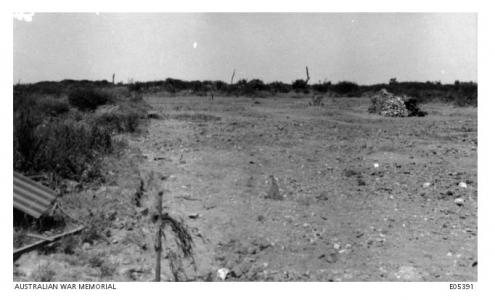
column 245, row 147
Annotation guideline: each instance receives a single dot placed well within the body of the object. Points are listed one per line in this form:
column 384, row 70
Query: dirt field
column 363, row 197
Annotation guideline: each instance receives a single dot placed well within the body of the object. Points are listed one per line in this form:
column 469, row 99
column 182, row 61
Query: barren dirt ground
column 355, row 205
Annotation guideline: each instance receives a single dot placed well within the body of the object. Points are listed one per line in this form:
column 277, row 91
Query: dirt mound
column 390, row 105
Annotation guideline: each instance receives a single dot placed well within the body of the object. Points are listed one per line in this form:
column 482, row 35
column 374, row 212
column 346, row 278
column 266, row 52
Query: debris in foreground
column 389, row 105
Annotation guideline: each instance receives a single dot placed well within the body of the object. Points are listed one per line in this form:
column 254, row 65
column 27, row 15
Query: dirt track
column 354, row 207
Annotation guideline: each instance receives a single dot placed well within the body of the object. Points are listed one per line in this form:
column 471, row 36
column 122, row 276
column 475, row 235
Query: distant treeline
column 461, row 93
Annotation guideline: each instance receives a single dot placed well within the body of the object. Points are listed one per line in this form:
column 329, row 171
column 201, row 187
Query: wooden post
column 113, row 78
column 158, row 239
column 232, row 78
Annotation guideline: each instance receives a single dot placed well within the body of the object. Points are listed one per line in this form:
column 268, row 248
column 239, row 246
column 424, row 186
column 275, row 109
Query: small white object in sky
column 26, row 17
column 195, row 45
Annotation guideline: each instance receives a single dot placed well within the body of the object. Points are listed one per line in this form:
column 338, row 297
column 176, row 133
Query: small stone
column 222, row 273
column 193, row 216
column 459, row 201
column 376, row 165
column 336, row 246
column 426, row 184
column 462, row 185
column 408, row 273
column 323, row 196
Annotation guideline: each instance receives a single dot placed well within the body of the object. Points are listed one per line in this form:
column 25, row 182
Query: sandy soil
column 362, row 197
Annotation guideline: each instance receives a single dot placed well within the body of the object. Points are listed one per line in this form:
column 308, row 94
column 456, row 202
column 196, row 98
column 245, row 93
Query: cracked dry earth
column 363, row 197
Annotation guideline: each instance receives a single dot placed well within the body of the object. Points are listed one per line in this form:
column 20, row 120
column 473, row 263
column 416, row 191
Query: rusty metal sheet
column 31, row 197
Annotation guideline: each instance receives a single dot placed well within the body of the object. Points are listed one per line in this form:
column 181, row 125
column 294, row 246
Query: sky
column 365, row 48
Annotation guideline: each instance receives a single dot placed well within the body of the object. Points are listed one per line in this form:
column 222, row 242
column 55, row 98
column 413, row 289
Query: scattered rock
column 390, row 105
column 408, row 273
column 459, row 201
column 426, row 184
column 462, row 185
column 223, row 273
column 193, row 216
column 239, row 270
column 154, row 115
column 323, row 196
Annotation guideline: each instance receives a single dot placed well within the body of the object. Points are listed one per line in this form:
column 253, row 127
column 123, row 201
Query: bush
column 346, row 88
column 53, row 106
column 26, row 143
column 300, row 86
column 67, row 148
column 89, row 99
column 119, row 121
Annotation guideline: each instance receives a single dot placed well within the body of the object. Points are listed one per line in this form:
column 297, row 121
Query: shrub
column 67, row 148
column 44, row 273
column 52, row 106
column 119, row 121
column 88, row 99
column 346, row 88
column 299, row 86
column 26, row 143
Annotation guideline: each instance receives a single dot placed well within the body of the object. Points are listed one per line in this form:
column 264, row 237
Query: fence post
column 158, row 238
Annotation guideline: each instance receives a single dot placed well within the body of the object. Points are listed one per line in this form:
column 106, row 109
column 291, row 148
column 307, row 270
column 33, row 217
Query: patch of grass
column 51, row 137
column 52, row 106
column 106, row 268
column 44, row 273
column 67, row 148
column 96, row 226
column 119, row 121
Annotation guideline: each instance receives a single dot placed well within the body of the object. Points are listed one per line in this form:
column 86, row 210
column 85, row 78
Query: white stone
column 222, row 273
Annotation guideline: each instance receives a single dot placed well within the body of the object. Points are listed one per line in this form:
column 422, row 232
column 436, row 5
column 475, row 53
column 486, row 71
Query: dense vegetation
column 459, row 93
column 65, row 129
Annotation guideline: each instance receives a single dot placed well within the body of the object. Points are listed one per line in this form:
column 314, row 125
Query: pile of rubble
column 390, row 105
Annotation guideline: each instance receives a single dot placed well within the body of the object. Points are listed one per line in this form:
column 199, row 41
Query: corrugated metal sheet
column 31, row 197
